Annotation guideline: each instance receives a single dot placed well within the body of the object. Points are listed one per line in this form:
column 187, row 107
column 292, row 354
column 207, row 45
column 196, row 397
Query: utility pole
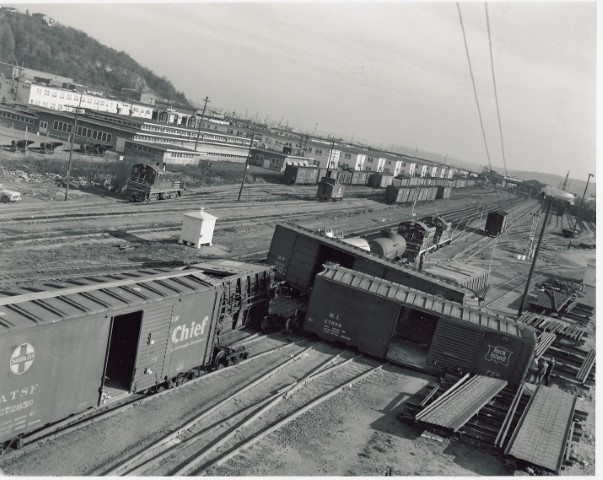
column 527, row 289
column 206, row 100
column 246, row 166
column 329, row 159
column 564, row 186
column 569, row 245
column 71, row 149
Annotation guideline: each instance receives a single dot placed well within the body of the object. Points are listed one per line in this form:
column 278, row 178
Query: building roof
column 164, row 147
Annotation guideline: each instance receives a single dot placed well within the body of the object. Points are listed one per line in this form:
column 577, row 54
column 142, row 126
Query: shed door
column 120, row 144
column 152, row 346
column 454, row 347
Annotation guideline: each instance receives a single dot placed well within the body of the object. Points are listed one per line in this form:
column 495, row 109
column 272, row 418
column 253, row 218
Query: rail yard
column 394, row 346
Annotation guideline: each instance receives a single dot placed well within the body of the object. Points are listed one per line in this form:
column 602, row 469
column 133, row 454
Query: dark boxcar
column 380, row 180
column 397, row 323
column 329, row 190
column 394, row 194
column 443, row 192
column 496, row 223
column 301, row 175
column 298, row 255
column 359, row 178
column 152, row 183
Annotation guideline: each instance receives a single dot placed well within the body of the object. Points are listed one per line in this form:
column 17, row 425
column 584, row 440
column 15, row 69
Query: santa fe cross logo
column 22, row 358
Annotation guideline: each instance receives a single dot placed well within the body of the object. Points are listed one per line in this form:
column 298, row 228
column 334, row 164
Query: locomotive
column 76, row 346
column 148, row 183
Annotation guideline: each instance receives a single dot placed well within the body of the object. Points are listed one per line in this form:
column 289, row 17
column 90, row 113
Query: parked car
column 7, row 195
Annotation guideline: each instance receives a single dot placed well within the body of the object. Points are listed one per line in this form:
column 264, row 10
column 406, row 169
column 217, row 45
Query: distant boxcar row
column 301, row 175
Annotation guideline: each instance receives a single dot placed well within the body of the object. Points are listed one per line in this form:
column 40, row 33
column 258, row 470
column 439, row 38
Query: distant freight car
column 329, row 190
column 66, row 350
column 359, row 178
column 416, row 329
column 443, row 192
column 298, row 255
column 299, row 175
column 395, row 194
column 380, row 180
column 148, row 183
column 496, row 223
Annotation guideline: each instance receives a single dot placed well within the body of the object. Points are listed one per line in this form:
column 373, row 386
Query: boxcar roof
column 425, row 301
column 23, row 308
column 359, row 252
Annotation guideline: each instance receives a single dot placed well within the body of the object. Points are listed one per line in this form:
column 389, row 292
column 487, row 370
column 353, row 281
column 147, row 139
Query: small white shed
column 197, row 228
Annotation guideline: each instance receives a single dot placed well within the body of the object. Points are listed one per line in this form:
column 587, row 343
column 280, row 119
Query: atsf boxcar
column 67, row 349
column 496, row 223
column 153, row 183
column 298, row 254
column 413, row 328
column 301, row 175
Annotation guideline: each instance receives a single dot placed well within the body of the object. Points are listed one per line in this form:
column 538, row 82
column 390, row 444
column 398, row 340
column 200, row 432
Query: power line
column 502, row 143
column 479, row 111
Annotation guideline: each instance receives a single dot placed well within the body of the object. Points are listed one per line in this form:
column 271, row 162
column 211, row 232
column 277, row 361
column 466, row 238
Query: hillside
column 66, row 51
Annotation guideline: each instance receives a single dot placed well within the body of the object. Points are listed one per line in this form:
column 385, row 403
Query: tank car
column 419, row 238
column 74, row 348
column 148, row 183
column 388, row 245
column 443, row 233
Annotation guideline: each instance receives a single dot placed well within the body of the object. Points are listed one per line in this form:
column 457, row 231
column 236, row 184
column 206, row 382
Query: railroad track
column 106, row 411
column 204, row 442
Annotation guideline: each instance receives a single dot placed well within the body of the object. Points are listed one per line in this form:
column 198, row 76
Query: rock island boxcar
column 413, row 328
column 70, row 348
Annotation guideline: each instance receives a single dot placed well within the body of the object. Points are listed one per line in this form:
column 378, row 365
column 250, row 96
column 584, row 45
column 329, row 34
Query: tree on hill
column 27, row 41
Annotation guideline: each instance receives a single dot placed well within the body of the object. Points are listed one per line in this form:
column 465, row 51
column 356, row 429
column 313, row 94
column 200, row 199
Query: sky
column 391, row 73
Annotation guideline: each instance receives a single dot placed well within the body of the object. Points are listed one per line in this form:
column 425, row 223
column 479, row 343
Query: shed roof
column 425, row 301
column 200, row 214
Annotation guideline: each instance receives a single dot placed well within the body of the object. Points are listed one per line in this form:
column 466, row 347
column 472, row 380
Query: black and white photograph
column 298, row 238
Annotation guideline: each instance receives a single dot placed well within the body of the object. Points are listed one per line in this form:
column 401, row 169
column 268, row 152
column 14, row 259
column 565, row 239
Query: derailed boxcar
column 298, row 255
column 412, row 328
column 70, row 349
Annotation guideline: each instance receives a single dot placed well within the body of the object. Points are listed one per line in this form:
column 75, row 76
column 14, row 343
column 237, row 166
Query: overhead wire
column 500, row 129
